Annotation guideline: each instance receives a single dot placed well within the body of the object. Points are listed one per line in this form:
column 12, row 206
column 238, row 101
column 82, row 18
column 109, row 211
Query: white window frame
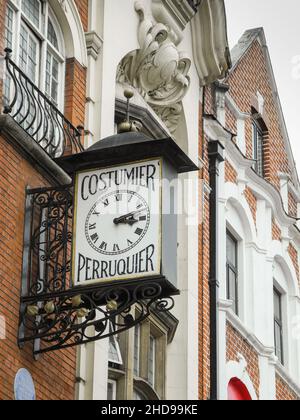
column 41, row 34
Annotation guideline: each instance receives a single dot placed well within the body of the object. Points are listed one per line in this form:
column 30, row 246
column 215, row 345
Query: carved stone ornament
column 158, row 71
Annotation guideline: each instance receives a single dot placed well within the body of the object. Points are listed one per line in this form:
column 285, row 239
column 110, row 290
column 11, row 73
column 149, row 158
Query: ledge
column 280, row 370
column 34, row 153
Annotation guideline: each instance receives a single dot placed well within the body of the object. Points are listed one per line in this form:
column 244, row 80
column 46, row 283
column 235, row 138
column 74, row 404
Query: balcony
column 36, row 114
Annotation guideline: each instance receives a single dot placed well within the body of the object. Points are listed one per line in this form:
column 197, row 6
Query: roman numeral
column 130, row 198
column 116, row 248
column 119, row 197
column 105, row 203
column 143, row 218
column 139, row 206
column 92, row 226
column 129, row 243
column 103, row 246
column 139, row 231
column 95, row 237
column 96, row 213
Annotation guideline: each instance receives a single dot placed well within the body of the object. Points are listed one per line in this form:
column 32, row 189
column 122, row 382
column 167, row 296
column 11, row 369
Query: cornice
column 93, row 44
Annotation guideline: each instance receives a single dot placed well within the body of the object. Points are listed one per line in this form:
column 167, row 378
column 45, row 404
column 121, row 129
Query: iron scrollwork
column 53, row 312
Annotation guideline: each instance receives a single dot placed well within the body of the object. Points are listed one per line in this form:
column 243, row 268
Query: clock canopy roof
column 125, row 148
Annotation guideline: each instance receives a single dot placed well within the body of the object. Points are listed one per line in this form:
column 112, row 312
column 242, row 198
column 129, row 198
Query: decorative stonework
column 93, row 44
column 158, row 71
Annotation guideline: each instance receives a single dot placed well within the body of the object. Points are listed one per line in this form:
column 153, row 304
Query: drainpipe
column 215, row 155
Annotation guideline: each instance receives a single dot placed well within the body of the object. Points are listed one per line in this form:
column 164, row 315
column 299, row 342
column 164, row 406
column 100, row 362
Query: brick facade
column 236, row 345
column 283, row 391
column 54, row 374
column 249, row 76
column 230, row 173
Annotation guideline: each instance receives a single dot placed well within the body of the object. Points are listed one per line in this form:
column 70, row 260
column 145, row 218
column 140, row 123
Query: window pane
column 52, row 35
column 111, row 391
column 28, row 54
column 231, row 250
column 277, row 305
column 232, row 292
column 9, row 22
column 52, row 75
column 151, row 362
column 258, row 142
column 278, row 342
column 31, row 8
column 114, row 351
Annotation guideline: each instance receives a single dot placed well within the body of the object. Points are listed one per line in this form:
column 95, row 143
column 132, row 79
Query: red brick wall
column 75, row 94
column 293, row 208
column 245, row 80
column 235, row 345
column 53, row 374
column 230, row 173
column 283, row 391
column 204, row 331
column 276, row 231
column 83, row 8
column 252, row 201
column 294, row 256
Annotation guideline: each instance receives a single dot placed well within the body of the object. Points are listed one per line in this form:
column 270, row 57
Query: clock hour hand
column 128, row 218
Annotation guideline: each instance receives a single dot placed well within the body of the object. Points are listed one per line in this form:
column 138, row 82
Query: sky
column 281, row 21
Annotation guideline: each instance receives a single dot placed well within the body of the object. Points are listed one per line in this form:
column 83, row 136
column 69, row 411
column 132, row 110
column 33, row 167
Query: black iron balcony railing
column 37, row 114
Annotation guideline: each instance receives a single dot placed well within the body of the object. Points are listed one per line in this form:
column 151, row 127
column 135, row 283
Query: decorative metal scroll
column 54, row 315
column 37, row 114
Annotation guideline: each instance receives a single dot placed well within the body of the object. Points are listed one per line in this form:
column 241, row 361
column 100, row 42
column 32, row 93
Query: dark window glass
column 232, row 270
column 258, row 153
column 278, row 326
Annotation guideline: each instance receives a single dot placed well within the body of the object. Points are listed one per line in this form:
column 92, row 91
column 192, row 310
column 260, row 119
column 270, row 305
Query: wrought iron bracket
column 54, row 315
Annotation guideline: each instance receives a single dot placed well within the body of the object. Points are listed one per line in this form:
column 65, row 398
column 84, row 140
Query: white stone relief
column 158, row 71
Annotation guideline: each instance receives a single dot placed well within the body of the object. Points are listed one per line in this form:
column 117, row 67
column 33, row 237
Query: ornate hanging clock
column 125, row 222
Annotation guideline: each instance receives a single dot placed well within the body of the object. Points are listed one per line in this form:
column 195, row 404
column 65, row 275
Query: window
column 32, row 10
column 278, row 326
column 232, row 270
column 111, row 390
column 258, row 144
column 36, row 39
column 136, row 355
column 151, row 361
column 114, row 353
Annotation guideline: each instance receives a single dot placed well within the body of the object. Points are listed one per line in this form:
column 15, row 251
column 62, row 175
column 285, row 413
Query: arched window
column 35, row 37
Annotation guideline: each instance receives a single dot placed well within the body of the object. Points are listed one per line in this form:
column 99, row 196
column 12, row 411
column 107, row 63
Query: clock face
column 117, row 223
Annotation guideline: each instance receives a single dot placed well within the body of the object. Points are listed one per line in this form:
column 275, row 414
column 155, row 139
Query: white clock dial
column 117, row 222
